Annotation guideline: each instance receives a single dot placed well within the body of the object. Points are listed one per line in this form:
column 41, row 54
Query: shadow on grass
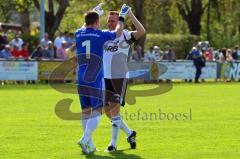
column 94, row 156
column 119, row 154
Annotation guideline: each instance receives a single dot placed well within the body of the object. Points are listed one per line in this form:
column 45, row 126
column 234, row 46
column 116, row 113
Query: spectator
column 17, row 41
column 6, row 52
column 229, row 57
column 3, row 41
column 23, row 53
column 216, row 55
column 157, row 53
column 208, row 55
column 169, row 55
column 49, row 53
column 58, row 40
column 150, row 55
column 222, row 55
column 189, row 55
column 61, row 52
column 235, row 53
column 37, row 53
column 71, row 52
column 199, row 48
column 136, row 54
column 44, row 41
column 15, row 51
column 70, row 39
column 198, row 62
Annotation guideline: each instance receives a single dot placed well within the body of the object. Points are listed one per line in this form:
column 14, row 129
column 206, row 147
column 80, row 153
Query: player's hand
column 99, row 9
column 124, row 11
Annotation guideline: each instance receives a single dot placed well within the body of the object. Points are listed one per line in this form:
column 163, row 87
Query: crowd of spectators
column 218, row 55
column 154, row 53
column 62, row 48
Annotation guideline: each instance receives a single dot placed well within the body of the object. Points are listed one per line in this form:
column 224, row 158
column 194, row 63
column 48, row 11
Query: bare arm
column 119, row 29
column 140, row 30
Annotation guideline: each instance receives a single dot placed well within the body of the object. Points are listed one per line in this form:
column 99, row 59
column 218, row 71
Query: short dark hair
column 91, row 17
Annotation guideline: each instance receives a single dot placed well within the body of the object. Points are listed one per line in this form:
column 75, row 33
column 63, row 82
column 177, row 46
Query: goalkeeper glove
column 124, row 11
column 99, row 9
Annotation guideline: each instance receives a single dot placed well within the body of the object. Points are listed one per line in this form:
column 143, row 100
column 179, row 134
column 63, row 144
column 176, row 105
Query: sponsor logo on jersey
column 112, row 48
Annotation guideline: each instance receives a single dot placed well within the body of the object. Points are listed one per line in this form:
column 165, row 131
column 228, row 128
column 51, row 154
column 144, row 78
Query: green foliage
column 161, row 17
column 5, row 7
column 74, row 15
column 181, row 44
column 22, row 5
column 157, row 15
column 33, row 41
column 224, row 24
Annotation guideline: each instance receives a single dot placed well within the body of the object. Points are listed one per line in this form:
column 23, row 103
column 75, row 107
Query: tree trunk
column 192, row 15
column 138, row 7
column 53, row 21
column 25, row 22
column 194, row 26
column 208, row 20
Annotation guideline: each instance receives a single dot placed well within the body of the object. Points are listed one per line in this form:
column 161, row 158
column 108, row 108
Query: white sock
column 116, row 123
column 85, row 118
column 92, row 124
column 125, row 128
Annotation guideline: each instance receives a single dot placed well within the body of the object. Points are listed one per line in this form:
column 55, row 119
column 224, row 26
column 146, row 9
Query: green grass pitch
column 29, row 127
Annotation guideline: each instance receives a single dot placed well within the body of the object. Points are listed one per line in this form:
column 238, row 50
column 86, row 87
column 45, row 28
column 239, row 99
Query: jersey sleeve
column 128, row 36
column 108, row 35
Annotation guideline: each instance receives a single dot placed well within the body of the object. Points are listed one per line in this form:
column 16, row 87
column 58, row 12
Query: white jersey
column 115, row 56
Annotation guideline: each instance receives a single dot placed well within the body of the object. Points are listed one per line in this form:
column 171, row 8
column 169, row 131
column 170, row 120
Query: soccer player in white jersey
column 115, row 75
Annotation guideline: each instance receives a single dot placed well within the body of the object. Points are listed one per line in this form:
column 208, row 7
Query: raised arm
column 124, row 11
column 140, row 30
column 119, row 28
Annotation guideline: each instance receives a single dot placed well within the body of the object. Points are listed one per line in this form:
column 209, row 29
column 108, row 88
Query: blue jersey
column 89, row 44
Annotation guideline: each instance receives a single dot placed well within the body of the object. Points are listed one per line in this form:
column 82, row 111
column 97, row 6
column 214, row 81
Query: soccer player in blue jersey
column 89, row 44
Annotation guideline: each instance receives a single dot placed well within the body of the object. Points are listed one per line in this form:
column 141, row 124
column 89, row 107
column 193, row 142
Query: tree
column 192, row 14
column 157, row 16
column 211, row 4
column 23, row 8
column 139, row 12
column 53, row 19
column 5, row 8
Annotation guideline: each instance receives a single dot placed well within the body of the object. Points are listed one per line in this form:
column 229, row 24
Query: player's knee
column 108, row 114
column 107, row 111
column 86, row 111
column 115, row 109
column 115, row 112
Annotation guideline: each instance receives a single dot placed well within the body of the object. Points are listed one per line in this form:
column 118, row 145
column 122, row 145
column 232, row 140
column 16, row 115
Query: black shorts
column 115, row 90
